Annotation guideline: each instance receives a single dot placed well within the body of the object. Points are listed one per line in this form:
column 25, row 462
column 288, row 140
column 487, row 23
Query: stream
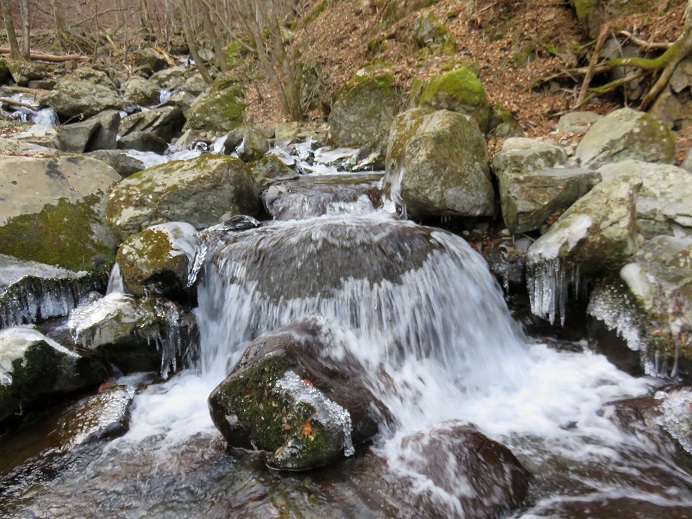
column 443, row 349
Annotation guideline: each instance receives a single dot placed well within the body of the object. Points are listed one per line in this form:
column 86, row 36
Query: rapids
column 420, row 308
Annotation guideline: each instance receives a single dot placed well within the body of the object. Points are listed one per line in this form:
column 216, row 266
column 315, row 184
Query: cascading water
column 420, row 309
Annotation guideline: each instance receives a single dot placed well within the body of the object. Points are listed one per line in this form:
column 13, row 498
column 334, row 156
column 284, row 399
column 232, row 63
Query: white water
column 442, row 334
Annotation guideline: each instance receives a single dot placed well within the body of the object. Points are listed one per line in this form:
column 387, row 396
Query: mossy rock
column 216, row 110
column 198, row 191
column 432, row 36
column 270, row 169
column 35, row 369
column 395, row 10
column 4, row 72
column 626, row 134
column 459, row 91
column 158, row 259
column 54, row 212
column 288, row 397
column 437, row 165
column 362, row 110
column 80, row 98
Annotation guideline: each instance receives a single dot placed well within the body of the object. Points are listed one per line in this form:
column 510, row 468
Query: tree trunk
column 26, row 29
column 189, row 38
column 9, row 28
column 215, row 42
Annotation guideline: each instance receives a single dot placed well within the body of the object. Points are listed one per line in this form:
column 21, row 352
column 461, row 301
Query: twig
column 646, row 45
column 42, row 56
column 592, row 64
column 12, row 102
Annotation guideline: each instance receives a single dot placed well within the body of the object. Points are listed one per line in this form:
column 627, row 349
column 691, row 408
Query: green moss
column 582, row 7
column 61, row 234
column 376, row 46
column 460, row 84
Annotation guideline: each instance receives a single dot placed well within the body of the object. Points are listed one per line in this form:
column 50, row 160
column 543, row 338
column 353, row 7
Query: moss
column 61, row 234
column 37, row 370
column 583, row 7
column 460, row 84
column 376, row 46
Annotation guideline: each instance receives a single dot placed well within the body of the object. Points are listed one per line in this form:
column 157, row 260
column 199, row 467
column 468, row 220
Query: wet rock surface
column 298, row 394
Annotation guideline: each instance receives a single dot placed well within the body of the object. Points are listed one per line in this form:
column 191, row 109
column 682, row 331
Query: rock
column 119, row 160
column 458, row 91
column 506, row 258
column 217, row 110
column 594, row 13
column 149, row 334
column 5, row 73
column 40, row 135
column 626, row 134
column 437, row 165
column 673, row 110
column 24, row 71
column 198, row 191
column 30, row 291
column 143, row 141
column 170, row 78
column 75, row 137
column 524, row 156
column 432, row 36
column 79, row 98
column 286, row 133
column 95, row 418
column 577, row 122
column 195, row 85
column 495, row 480
column 687, row 161
column 106, row 135
column 271, row 168
column 95, row 76
column 602, row 228
column 34, row 369
column 660, row 279
column 314, row 195
column 249, row 143
column 395, row 10
column 149, row 60
column 298, row 394
column 53, row 210
column 159, row 259
column 529, row 199
column 362, row 110
column 140, row 92
column 165, row 122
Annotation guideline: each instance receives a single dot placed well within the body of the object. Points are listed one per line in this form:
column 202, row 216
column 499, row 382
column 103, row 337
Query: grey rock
column 75, row 137
column 119, row 160
column 143, row 141
column 140, row 92
column 165, row 122
column 577, row 122
column 106, row 136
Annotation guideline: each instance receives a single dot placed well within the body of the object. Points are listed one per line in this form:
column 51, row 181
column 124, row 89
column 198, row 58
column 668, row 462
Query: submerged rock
column 149, row 334
column 299, row 394
column 198, row 191
column 31, row 291
column 34, row 368
column 159, row 259
column 437, row 165
column 626, row 134
column 94, row 418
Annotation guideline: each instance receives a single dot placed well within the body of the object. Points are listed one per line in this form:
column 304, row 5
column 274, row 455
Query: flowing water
column 417, row 306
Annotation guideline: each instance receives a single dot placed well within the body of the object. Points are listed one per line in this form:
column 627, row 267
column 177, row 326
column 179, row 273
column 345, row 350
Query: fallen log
column 12, row 102
column 53, row 58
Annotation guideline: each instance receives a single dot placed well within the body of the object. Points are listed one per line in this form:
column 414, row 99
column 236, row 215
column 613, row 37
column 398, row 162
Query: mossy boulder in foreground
column 298, row 394
column 198, row 191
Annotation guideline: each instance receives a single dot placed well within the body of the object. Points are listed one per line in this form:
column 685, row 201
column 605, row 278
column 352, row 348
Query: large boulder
column 626, row 134
column 432, row 35
column 54, row 210
column 248, row 143
column 437, row 165
column 31, row 291
column 522, row 155
column 106, row 137
column 149, row 60
column 143, row 141
column 140, row 92
column 74, row 98
column 148, row 334
column 216, row 110
column 635, row 200
column 35, row 369
column 298, row 394
column 362, row 110
column 198, row 191
column 459, row 91
column 164, row 122
column 159, row 259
